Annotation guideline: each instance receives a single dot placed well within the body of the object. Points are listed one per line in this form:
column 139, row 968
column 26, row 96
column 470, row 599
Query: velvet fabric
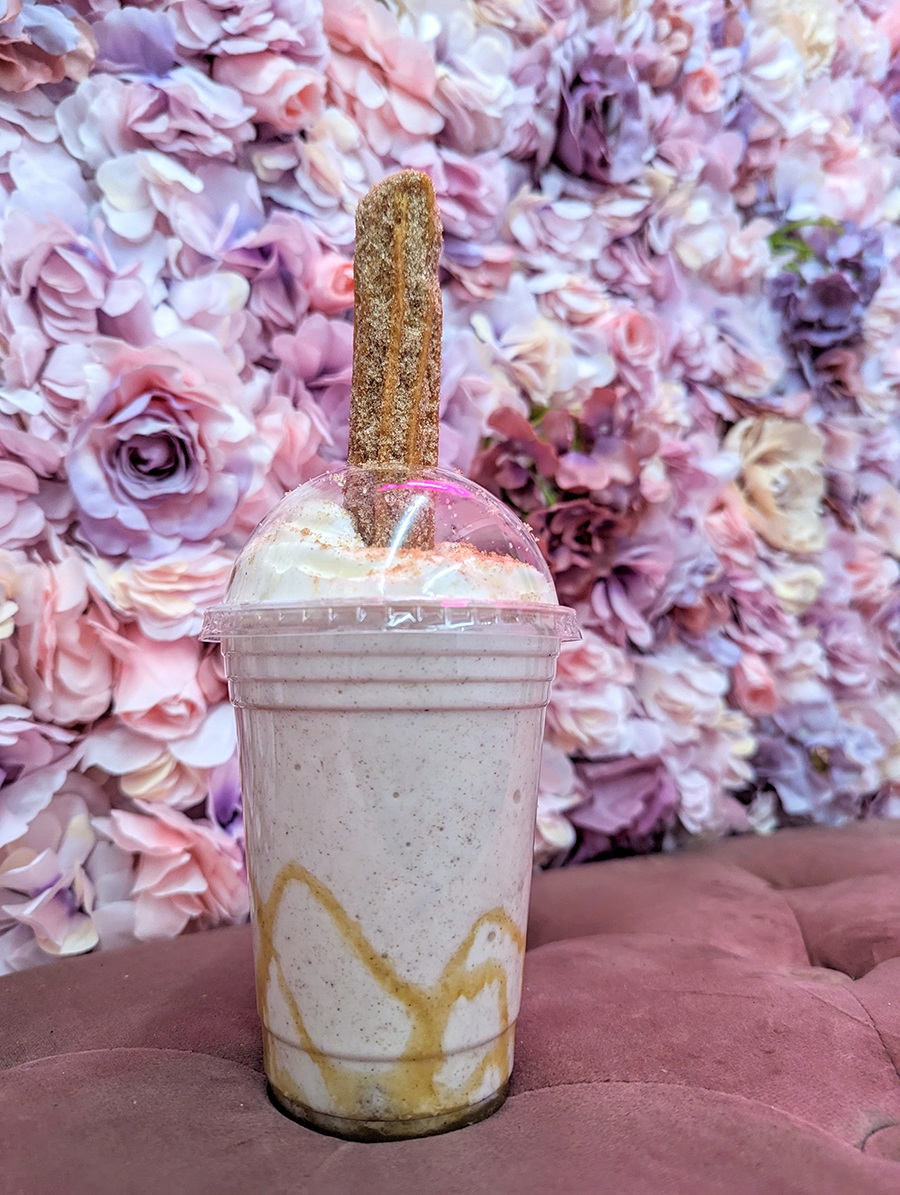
column 725, row 1021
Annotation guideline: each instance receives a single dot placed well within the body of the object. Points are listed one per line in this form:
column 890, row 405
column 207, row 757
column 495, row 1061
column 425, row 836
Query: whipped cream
column 325, row 559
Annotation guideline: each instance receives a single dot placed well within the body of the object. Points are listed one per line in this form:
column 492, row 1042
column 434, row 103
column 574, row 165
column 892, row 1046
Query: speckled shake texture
column 390, row 783
column 394, row 399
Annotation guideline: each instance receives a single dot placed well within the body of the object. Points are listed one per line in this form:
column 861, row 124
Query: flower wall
column 672, row 343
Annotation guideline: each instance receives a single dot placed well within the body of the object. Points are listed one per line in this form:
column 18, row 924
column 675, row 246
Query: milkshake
column 390, row 634
column 390, row 707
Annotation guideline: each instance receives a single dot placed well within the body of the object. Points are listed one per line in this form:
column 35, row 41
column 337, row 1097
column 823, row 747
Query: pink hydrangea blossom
column 40, row 44
column 187, row 873
column 73, row 283
column 188, row 113
column 591, row 701
column 236, row 27
column 315, row 361
column 279, row 262
column 322, row 176
column 297, row 435
column 474, row 94
column 386, row 82
column 63, row 891
column 56, row 661
column 559, row 791
column 279, row 91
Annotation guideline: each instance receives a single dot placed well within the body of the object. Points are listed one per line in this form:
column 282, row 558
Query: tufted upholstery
column 723, row 1021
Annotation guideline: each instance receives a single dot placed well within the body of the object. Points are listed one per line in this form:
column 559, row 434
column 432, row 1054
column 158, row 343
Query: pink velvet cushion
column 722, row 1021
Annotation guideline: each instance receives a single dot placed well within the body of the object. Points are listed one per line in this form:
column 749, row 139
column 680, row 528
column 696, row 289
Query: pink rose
column 703, row 89
column 167, row 597
column 730, row 531
column 635, row 338
column 187, row 871
column 283, row 93
column 162, row 689
column 754, row 686
column 332, row 284
column 56, row 660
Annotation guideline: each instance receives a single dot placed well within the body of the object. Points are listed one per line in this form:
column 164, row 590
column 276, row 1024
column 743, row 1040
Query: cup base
column 387, row 1130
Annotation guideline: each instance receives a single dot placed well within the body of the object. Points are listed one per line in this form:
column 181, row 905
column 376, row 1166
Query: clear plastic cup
column 390, row 705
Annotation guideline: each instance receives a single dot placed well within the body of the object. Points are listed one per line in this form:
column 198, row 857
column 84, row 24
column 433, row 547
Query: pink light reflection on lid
column 445, row 487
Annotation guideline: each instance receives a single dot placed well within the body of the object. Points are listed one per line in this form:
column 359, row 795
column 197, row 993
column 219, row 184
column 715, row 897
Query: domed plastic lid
column 390, row 551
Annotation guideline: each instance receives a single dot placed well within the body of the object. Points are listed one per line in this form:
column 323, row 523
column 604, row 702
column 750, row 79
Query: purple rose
column 168, row 450
column 820, row 315
column 581, row 542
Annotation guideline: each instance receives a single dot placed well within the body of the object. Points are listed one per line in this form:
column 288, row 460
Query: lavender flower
column 819, row 762
column 628, row 802
column 603, row 132
column 823, row 295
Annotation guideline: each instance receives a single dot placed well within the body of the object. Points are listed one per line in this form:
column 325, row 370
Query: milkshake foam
column 325, row 558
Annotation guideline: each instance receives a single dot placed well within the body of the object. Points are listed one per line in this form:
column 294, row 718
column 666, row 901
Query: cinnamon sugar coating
column 394, row 400
column 395, row 391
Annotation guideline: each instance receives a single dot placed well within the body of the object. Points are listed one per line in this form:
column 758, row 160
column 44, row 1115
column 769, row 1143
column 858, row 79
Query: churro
column 395, row 391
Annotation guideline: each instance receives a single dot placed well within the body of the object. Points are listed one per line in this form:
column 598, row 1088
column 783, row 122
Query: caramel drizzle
column 411, row 1087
